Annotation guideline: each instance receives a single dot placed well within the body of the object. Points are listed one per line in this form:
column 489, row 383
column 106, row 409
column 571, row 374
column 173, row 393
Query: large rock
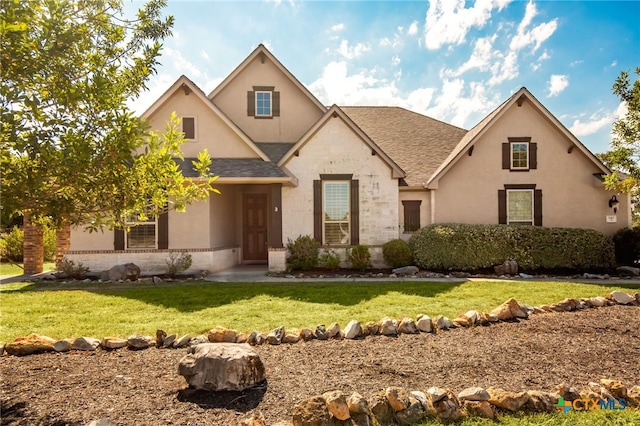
column 479, row 409
column 137, row 342
column 63, row 345
column 424, row 323
column 353, row 330
column 622, row 298
column 473, row 394
column 128, row 271
column 85, row 344
column 397, row 397
column 615, row 388
column 380, row 408
column 389, row 327
column 222, row 366
column 511, row 401
column 337, row 404
column 32, row 344
column 358, row 404
column 508, row 267
column 222, row 335
column 114, row 343
column 414, row 412
column 406, row 270
column 311, row 412
column 540, row 402
column 628, row 271
column 510, row 310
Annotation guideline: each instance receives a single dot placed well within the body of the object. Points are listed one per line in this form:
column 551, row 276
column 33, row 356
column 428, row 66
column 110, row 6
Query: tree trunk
column 33, row 247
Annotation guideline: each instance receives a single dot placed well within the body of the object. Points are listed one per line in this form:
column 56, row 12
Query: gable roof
column 335, row 112
column 257, row 52
column 482, row 127
column 417, row 143
column 183, row 83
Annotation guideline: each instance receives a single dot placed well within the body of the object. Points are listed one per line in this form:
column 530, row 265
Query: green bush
column 468, row 247
column 71, row 270
column 360, row 257
column 178, row 262
column 303, row 253
column 11, row 244
column 329, row 259
column 396, row 253
column 627, row 244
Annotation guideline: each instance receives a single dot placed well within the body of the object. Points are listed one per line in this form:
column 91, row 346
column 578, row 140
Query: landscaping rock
column 406, row 270
column 539, row 402
column 436, row 394
column 160, row 336
column 443, row 323
column 598, row 302
column 113, row 343
column 337, row 404
column 222, row 335
column 62, row 345
column 321, row 332
column 380, row 408
column 222, row 366
column 412, row 414
column 628, row 271
column 353, row 330
column 85, row 344
column 128, row 271
column 511, row 401
column 311, row 411
column 389, row 327
column 633, row 396
column 358, row 404
column 290, row 338
column 615, row 388
column 397, row 397
column 407, row 326
column 334, row 331
column 474, row 394
column 509, row 310
column 254, row 420
column 275, row 336
column 138, row 342
column 567, row 392
column 197, row 340
column 169, row 340
column 479, row 409
column 371, row 329
column 32, row 344
column 448, row 409
column 508, row 267
column 424, row 323
column 157, row 280
column 306, row 334
column 622, row 298
column 102, row 422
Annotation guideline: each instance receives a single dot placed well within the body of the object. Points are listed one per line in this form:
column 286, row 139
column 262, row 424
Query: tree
column 71, row 149
column 624, row 155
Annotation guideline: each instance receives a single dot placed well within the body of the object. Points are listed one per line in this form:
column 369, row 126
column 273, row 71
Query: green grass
column 16, row 269
column 100, row 309
column 624, row 417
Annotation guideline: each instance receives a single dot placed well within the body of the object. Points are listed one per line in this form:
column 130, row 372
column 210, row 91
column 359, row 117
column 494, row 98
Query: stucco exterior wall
column 571, row 195
column 210, row 131
column 81, row 239
column 297, row 111
column 335, row 149
column 223, row 217
column 190, row 229
column 425, row 209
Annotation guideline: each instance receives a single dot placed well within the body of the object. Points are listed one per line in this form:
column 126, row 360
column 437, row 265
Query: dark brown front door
column 254, row 225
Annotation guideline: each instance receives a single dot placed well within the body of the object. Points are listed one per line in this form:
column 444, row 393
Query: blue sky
column 448, row 59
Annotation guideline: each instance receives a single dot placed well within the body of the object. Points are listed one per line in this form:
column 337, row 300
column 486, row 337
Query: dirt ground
column 143, row 387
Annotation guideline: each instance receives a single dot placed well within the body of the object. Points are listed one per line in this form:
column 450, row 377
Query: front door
column 254, row 228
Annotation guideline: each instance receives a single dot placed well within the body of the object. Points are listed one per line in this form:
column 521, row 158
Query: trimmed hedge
column 627, row 242
column 396, row 253
column 466, row 247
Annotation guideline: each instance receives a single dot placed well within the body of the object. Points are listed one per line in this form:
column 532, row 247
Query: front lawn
column 11, row 269
column 100, row 309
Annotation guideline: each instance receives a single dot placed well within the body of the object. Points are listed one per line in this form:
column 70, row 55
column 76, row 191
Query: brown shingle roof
column 417, row 143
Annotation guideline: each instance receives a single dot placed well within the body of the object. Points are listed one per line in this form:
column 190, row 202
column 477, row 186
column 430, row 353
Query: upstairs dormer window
column 519, row 154
column 263, row 102
column 189, row 127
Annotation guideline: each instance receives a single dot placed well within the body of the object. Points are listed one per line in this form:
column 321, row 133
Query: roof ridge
column 404, row 109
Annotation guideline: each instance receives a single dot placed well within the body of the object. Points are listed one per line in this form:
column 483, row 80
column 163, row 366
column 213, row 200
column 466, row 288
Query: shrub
column 329, row 259
column 468, row 247
column 627, row 245
column 177, row 263
column 396, row 253
column 11, row 244
column 71, row 270
column 303, row 253
column 360, row 257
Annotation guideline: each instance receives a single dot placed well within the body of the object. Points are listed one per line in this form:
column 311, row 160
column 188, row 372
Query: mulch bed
column 143, row 387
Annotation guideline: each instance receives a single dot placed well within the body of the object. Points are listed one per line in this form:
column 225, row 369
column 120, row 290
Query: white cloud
column 156, row 87
column 181, row 64
column 456, row 105
column 396, row 60
column 480, row 58
column 505, row 70
column 413, row 28
column 576, row 63
column 448, row 21
column 597, row 121
column 537, row 35
column 557, row 83
column 337, row 27
column 352, row 52
column 614, row 64
column 535, row 66
column 204, row 54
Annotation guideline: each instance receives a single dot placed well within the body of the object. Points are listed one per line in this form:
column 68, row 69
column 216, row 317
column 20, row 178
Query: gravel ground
column 143, row 387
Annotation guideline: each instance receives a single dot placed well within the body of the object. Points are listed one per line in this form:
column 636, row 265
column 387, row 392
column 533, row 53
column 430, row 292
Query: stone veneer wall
column 33, row 255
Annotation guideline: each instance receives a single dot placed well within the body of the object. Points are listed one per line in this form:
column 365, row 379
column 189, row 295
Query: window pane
column 336, row 201
column 336, row 233
column 142, row 236
column 189, row 127
column 263, row 103
column 520, row 206
column 519, row 153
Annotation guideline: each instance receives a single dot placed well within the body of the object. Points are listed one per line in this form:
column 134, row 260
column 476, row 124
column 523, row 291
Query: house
column 291, row 166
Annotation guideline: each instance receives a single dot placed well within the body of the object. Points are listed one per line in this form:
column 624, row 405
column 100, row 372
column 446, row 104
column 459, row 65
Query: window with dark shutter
column 251, row 103
column 519, row 154
column 411, row 215
column 520, row 204
column 189, row 127
column 336, row 209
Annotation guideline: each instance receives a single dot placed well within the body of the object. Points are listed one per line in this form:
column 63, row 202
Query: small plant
column 12, row 244
column 178, row 262
column 360, row 257
column 329, row 259
column 627, row 245
column 71, row 270
column 396, row 253
column 303, row 253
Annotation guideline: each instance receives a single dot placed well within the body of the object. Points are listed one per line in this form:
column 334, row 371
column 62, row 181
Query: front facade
column 290, row 166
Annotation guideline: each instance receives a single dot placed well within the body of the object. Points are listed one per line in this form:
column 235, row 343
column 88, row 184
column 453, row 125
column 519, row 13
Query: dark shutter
column 506, row 156
column 251, row 103
column 537, row 207
column 163, row 231
column 118, row 239
column 411, row 215
column 355, row 212
column 502, row 206
column 533, row 155
column 276, row 104
column 189, row 127
column 317, row 210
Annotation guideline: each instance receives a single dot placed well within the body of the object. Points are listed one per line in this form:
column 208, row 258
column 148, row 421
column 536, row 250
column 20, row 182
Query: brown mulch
column 143, row 387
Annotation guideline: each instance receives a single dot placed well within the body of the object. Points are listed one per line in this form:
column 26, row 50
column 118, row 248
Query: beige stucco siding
column 210, row 131
column 571, row 195
column 82, row 239
column 297, row 111
column 335, row 149
column 425, row 208
column 223, row 217
column 190, row 229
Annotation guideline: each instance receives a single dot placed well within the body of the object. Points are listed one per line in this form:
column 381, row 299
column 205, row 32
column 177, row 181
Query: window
column 520, row 207
column 189, row 127
column 336, row 209
column 263, row 102
column 520, row 154
column 520, row 204
column 141, row 234
column 411, row 215
column 336, row 212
